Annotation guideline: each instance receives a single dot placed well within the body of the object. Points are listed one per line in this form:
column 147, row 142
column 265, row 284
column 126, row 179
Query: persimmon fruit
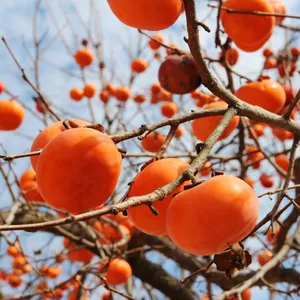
column 267, row 94
column 249, row 32
column 154, row 176
column 118, row 272
column 205, row 219
column 203, row 127
column 46, row 135
column 84, row 57
column 78, row 170
column 169, row 109
column 264, row 257
column 153, row 141
column 12, row 115
column 144, row 14
column 77, row 254
column 179, row 74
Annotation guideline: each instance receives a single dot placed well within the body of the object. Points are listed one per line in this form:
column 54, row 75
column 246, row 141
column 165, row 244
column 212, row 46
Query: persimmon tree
column 167, row 171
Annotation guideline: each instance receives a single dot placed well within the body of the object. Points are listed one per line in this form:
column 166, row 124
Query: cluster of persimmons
column 95, row 165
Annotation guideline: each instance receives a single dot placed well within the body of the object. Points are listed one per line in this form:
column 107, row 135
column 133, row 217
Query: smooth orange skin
column 279, row 8
column 153, row 141
column 139, row 65
column 89, row 90
column 282, row 134
column 104, row 96
column 169, row 109
column 179, row 132
column 164, row 96
column 77, row 255
column 144, row 14
column 155, row 45
column 155, row 88
column 249, row 32
column 203, row 127
column 267, row 94
column 246, row 295
column 232, row 56
column 270, row 63
column 46, row 135
column 266, row 181
column 84, row 57
column 139, row 98
column 13, row 251
column 76, row 94
column 206, row 169
column 259, row 129
column 122, row 93
column 218, row 212
column 118, row 272
column 12, row 115
column 154, row 176
column 106, row 295
column 29, row 186
column 282, row 161
column 78, row 170
column 267, row 52
column 264, row 257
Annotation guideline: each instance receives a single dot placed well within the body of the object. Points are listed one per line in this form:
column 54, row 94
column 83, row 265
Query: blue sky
column 16, row 26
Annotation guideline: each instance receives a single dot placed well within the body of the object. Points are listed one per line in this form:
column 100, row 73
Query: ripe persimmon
column 77, row 254
column 267, row 94
column 14, row 250
column 279, row 8
column 282, row 161
column 248, row 31
column 169, row 109
column 84, row 57
column 179, row 132
column 144, row 14
column 76, row 94
column 14, row 281
column 118, row 272
column 164, row 96
column 140, row 98
column 264, row 257
column 155, row 88
column 270, row 63
column 232, row 56
column 290, row 93
column 259, row 129
column 46, row 135
column 172, row 49
column 250, row 182
column 106, row 295
column 11, row 115
column 29, row 186
column 246, row 295
column 272, row 238
column 139, row 65
column 219, row 212
column 266, row 180
column 89, row 90
column 154, row 45
column 179, row 74
column 154, row 176
column 104, row 96
column 267, row 52
column 153, row 141
column 122, row 93
column 282, row 134
column 206, row 169
column 66, row 158
column 203, row 127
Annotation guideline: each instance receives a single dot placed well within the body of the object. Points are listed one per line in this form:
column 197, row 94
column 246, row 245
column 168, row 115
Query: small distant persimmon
column 104, row 96
column 14, row 281
column 266, row 180
column 272, row 238
column 153, row 141
column 171, row 49
column 259, row 129
column 164, row 96
column 169, row 109
column 84, row 57
column 12, row 115
column 295, row 51
column 206, row 169
column 139, row 65
column 13, row 251
column 140, row 98
column 282, row 161
column 267, row 52
column 2, row 88
column 89, row 90
column 154, row 45
column 118, row 272
column 155, row 88
column 179, row 132
column 270, row 63
column 250, row 182
column 106, row 295
column 122, row 93
column 77, row 253
column 264, row 257
column 76, row 94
